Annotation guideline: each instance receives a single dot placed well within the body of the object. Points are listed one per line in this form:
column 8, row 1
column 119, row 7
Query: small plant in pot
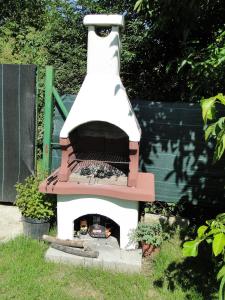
column 150, row 236
column 36, row 208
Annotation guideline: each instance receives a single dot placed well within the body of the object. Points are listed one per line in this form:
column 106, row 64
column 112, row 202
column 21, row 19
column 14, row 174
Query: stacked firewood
column 71, row 246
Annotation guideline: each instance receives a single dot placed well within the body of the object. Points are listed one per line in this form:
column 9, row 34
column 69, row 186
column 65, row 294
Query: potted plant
column 150, row 236
column 36, row 208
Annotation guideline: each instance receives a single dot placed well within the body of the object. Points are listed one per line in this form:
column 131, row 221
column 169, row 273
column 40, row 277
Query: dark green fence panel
column 17, row 129
column 174, row 149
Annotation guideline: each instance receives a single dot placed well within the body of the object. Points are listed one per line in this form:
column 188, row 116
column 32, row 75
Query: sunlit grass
column 25, row 275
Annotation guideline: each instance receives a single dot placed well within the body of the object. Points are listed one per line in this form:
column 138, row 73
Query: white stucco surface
column 104, row 20
column 102, row 96
column 71, row 207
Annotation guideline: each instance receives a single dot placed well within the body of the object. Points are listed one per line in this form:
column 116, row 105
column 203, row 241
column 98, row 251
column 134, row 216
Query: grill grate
column 102, row 157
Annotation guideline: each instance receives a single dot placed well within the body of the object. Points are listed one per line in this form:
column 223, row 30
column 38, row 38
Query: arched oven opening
column 101, row 154
column 93, row 226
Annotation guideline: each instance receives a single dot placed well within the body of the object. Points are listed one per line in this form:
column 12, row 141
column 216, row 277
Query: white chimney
column 102, row 96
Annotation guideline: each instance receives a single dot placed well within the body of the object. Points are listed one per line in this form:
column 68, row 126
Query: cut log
column 70, row 243
column 74, row 251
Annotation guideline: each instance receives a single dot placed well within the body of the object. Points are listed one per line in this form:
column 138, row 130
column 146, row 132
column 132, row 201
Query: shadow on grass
column 197, row 274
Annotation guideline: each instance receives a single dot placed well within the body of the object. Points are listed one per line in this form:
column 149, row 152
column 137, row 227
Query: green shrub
column 149, row 233
column 31, row 202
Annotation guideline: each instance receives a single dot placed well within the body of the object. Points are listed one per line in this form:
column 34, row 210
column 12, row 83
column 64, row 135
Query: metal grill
column 115, row 158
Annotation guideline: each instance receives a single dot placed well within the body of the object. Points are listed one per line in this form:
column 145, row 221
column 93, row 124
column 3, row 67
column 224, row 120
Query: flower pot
column 148, row 249
column 35, row 228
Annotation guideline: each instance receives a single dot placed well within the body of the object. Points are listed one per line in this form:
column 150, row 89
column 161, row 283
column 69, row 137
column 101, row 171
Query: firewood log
column 70, row 243
column 74, row 251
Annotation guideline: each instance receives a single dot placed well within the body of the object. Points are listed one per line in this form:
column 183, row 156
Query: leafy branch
column 215, row 130
column 213, row 232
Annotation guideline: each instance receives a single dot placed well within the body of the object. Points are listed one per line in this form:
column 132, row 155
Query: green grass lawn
column 24, row 275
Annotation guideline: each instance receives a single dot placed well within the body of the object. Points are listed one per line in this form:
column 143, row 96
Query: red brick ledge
column 144, row 190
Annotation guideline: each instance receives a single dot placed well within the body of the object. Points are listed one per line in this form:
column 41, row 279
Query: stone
column 10, row 222
column 171, row 221
column 128, row 261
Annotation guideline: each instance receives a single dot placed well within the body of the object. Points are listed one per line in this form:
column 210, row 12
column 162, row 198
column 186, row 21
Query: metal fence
column 173, row 148
column 17, row 129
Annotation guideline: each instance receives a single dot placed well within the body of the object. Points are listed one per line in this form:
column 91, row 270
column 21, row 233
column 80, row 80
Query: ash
column 100, row 170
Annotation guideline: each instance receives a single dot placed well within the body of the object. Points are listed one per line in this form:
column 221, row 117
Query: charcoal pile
column 99, row 170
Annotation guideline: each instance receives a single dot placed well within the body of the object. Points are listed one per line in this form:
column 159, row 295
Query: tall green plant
column 215, row 128
column 213, row 231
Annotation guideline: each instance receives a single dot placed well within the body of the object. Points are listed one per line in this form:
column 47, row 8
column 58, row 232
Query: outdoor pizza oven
column 99, row 171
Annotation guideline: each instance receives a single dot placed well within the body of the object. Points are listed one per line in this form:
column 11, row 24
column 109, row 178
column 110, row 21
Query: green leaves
column 201, row 230
column 220, row 142
column 213, row 234
column 221, row 273
column 190, row 248
column 184, row 63
column 221, row 290
column 138, row 5
column 208, row 108
column 218, row 243
column 214, row 130
column 143, row 5
column 31, row 202
column 210, row 131
column 221, row 98
column 149, row 233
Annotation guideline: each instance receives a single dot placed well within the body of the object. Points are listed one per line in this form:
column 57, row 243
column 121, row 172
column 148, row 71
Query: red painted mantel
column 144, row 190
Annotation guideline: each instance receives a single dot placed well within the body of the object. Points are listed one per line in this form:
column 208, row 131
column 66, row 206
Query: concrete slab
column 128, row 261
column 10, row 222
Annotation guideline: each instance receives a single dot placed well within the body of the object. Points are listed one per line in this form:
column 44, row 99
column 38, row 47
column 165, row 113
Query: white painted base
column 71, row 207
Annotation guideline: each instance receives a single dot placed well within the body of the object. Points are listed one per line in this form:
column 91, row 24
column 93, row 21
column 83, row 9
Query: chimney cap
column 104, row 20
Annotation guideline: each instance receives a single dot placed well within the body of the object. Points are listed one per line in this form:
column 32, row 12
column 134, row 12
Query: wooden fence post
column 48, row 119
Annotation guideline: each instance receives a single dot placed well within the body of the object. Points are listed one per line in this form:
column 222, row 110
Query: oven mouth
column 101, row 154
column 93, row 226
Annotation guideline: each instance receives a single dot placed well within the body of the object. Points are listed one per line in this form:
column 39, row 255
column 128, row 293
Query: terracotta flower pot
column 148, row 249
